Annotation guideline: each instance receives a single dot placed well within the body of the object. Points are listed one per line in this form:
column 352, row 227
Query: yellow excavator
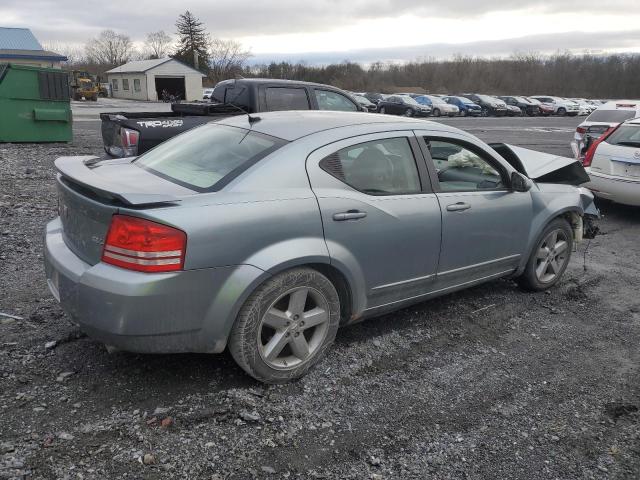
column 83, row 86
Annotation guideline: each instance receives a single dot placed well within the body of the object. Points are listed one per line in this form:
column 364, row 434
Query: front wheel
column 383, row 110
column 409, row 112
column 484, row 112
column 285, row 326
column 562, row 112
column 549, row 258
column 436, row 112
column 463, row 113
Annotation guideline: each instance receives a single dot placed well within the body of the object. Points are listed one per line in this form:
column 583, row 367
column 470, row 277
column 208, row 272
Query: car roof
column 292, row 125
column 621, row 105
column 278, row 81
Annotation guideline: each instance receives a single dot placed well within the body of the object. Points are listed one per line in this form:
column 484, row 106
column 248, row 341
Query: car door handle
column 350, row 215
column 458, row 207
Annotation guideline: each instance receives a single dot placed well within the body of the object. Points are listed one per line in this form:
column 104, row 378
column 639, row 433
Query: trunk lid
column 90, row 191
column 619, row 160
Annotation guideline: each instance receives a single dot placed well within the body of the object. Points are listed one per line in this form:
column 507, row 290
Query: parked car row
column 474, row 104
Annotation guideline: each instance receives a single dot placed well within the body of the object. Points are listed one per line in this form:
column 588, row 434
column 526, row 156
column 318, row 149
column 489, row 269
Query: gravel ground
column 487, row 383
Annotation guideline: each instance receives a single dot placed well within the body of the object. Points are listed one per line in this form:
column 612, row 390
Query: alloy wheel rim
column 552, row 256
column 293, row 328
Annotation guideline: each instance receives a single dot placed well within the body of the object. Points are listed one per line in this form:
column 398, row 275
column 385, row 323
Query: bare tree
column 109, row 49
column 226, row 58
column 158, row 44
column 74, row 53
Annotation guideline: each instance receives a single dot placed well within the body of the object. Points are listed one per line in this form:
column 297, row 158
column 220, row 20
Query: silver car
column 265, row 234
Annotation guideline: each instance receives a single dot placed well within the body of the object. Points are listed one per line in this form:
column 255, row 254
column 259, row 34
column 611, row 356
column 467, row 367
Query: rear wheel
column 549, row 258
column 463, row 113
column 562, row 111
column 285, row 326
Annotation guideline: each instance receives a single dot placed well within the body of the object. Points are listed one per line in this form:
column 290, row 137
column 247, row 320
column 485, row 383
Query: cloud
column 577, row 42
column 66, row 20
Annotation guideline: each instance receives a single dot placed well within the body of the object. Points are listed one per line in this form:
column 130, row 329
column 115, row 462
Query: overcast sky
column 361, row 30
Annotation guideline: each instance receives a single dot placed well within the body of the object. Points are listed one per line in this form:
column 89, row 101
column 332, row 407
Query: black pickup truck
column 127, row 134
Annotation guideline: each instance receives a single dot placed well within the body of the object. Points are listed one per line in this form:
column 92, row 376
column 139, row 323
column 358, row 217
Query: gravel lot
column 489, row 383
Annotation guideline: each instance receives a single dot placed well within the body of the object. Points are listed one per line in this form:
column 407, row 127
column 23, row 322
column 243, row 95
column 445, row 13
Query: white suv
column 561, row 106
column 613, row 164
column 611, row 114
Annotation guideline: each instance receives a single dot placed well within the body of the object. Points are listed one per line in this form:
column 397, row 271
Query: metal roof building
column 147, row 79
column 20, row 46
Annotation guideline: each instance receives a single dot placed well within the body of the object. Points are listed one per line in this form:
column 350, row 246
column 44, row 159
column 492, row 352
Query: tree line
column 562, row 74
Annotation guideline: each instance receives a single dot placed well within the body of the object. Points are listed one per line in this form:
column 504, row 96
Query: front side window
column 136, row 84
column 206, row 158
column 114, row 83
column 328, row 100
column 380, row 167
column 461, row 169
column 282, row 98
column 125, row 84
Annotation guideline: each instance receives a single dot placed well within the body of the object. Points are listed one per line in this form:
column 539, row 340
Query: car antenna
column 251, row 119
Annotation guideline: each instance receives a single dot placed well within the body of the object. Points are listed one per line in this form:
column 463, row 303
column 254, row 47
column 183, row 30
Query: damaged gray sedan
column 265, row 234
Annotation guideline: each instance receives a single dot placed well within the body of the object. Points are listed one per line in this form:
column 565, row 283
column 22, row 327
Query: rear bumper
column 187, row 311
column 625, row 191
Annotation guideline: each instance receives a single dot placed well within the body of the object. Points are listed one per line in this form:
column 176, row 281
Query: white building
column 147, row 79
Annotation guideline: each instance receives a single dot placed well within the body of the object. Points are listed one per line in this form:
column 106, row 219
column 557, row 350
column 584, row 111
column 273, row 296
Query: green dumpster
column 34, row 104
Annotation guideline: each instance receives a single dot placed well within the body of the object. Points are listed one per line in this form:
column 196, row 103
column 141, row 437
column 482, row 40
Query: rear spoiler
column 79, row 171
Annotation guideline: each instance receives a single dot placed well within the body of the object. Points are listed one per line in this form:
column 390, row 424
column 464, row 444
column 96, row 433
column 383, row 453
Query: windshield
column 487, row 98
column 465, row 100
column 362, row 99
column 611, row 116
column 408, row 100
column 626, row 135
column 435, row 100
column 208, row 157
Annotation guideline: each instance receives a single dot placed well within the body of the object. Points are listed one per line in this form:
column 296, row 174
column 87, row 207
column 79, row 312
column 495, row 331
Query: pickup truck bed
column 149, row 129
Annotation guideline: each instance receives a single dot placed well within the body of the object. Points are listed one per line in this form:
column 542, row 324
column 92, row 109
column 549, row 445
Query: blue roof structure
column 18, row 39
column 21, row 44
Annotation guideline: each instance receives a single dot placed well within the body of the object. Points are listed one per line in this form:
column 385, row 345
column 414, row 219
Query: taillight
column 138, row 244
column 591, row 151
column 581, row 130
column 129, row 139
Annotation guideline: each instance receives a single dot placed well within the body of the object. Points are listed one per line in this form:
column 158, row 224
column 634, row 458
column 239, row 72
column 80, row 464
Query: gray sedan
column 265, row 234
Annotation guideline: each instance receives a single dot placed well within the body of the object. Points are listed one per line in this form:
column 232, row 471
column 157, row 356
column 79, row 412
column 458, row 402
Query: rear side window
column 625, row 136
column 282, row 98
column 379, row 167
column 611, row 116
column 328, row 100
column 208, row 157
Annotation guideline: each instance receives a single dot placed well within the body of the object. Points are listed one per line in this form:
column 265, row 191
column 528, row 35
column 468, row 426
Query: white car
column 438, row 106
column 613, row 164
column 206, row 93
column 585, row 106
column 611, row 114
column 561, row 106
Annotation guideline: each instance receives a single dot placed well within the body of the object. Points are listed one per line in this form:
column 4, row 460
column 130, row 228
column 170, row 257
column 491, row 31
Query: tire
column 409, row 112
column 562, row 111
column 436, row 112
column 463, row 113
column 541, row 273
column 484, row 112
column 269, row 339
column 383, row 110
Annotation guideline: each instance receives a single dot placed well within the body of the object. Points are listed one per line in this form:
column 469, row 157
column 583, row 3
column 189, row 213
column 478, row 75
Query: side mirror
column 520, row 183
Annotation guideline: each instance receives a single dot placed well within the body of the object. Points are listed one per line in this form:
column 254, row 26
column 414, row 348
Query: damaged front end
column 547, row 168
